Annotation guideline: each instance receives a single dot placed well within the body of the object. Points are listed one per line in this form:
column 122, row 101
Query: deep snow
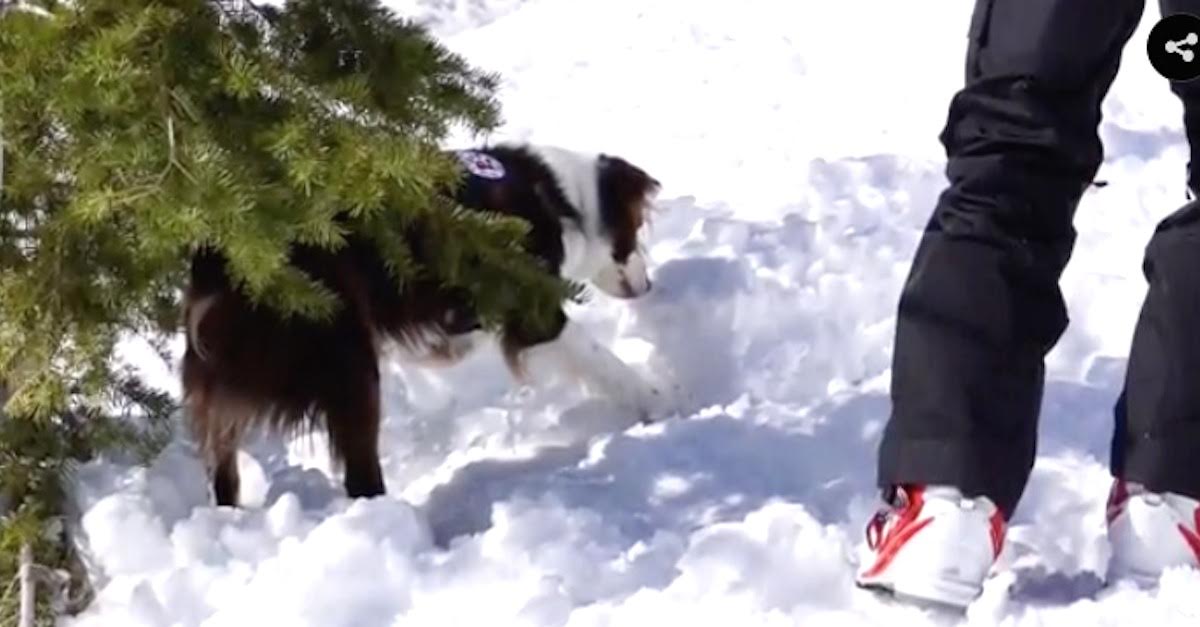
column 798, row 146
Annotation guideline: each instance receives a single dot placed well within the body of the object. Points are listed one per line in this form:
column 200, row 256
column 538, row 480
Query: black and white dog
column 586, row 211
column 245, row 366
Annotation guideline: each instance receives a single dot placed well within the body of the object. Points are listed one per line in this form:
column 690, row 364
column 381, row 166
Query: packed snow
column 797, row 144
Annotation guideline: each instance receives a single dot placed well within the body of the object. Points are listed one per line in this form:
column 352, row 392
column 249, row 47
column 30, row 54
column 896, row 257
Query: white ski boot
column 1150, row 532
column 932, row 545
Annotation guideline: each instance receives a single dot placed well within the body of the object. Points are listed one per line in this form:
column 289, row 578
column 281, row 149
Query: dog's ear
column 626, row 195
column 628, row 180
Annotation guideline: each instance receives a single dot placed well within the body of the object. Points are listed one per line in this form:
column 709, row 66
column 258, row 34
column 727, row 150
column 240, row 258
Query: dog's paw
column 656, row 405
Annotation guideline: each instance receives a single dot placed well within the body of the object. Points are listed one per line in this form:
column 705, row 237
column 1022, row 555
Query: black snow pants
column 982, row 307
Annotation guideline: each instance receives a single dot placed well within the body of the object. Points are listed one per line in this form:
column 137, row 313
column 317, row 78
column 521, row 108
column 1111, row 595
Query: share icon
column 1176, row 47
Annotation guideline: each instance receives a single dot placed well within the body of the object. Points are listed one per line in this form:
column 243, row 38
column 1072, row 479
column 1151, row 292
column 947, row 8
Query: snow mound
column 799, row 169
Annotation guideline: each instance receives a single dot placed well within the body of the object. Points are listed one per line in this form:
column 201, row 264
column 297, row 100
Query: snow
column 797, row 144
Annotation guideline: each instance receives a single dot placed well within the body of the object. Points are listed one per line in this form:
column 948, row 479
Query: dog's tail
column 194, row 314
column 208, row 280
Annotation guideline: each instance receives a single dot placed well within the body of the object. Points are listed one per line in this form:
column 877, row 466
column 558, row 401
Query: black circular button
column 1174, row 47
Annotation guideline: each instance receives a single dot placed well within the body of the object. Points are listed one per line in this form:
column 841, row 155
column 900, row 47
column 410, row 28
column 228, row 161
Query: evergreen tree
column 133, row 132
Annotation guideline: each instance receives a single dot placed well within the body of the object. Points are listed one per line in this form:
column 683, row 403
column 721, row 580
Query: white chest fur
column 586, row 250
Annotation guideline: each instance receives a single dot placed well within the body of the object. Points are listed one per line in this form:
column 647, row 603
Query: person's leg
column 1189, row 94
column 982, row 306
column 1157, row 439
column 1154, row 506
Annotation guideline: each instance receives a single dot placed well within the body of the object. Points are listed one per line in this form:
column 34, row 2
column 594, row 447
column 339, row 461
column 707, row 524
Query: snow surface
column 798, row 146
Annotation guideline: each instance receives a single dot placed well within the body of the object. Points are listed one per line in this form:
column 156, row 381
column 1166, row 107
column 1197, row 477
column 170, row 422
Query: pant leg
column 1189, row 94
column 1157, row 436
column 981, row 306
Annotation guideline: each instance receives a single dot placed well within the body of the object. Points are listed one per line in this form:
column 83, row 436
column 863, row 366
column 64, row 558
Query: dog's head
column 626, row 193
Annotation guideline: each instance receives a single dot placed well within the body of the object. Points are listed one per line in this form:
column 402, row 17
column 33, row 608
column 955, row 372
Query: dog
column 245, row 366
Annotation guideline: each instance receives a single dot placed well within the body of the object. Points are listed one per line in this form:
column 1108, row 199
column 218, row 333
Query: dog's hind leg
column 217, row 424
column 351, row 406
column 353, row 420
column 226, row 482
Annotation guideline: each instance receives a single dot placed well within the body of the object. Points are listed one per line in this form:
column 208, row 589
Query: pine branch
column 134, row 132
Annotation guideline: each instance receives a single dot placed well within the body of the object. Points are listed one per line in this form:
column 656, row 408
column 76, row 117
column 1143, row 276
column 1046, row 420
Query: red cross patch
column 482, row 165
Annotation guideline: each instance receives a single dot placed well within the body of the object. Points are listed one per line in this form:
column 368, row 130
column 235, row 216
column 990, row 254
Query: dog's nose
column 632, row 293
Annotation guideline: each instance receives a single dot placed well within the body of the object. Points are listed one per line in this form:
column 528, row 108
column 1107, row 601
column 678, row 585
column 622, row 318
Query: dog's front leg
column 578, row 353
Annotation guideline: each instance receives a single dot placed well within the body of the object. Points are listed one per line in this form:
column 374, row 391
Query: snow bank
column 797, row 144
